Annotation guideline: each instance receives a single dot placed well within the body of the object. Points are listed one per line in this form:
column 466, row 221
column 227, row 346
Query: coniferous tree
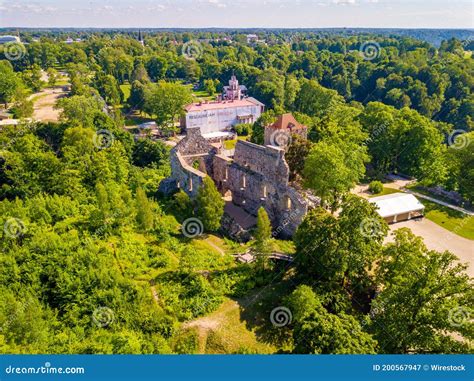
column 263, row 233
column 210, row 205
column 144, row 211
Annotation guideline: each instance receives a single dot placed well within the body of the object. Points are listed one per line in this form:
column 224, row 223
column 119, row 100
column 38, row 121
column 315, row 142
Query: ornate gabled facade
column 234, row 91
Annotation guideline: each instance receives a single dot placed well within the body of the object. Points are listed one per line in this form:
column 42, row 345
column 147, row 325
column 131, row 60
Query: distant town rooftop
column 217, row 105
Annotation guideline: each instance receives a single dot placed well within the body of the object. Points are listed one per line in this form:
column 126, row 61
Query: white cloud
column 344, row 2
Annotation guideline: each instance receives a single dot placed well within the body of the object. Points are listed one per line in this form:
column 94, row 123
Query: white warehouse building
column 398, row 207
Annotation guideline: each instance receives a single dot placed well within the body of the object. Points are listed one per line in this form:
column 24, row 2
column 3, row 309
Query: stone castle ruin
column 254, row 176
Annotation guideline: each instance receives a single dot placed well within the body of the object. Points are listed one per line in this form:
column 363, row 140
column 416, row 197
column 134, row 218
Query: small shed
column 398, row 207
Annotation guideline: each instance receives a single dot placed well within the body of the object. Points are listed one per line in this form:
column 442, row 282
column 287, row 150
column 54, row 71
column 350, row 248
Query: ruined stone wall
column 265, row 160
column 191, row 161
column 194, row 144
column 185, row 176
column 257, row 176
column 220, row 172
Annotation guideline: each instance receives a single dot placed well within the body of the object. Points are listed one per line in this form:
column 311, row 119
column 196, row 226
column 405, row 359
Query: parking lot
column 440, row 239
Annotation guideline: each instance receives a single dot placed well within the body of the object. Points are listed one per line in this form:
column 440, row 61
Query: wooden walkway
column 249, row 257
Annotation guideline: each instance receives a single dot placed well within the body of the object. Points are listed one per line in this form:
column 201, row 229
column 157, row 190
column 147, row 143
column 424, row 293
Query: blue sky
column 238, row 13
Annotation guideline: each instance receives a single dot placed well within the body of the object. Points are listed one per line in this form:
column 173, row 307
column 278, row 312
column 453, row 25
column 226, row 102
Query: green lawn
column 132, row 120
column 386, row 190
column 202, row 94
column 243, row 325
column 449, row 219
column 126, row 87
column 62, row 82
column 38, row 97
column 230, row 144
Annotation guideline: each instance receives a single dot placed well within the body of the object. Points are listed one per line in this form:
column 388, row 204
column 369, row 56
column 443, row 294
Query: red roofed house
column 278, row 133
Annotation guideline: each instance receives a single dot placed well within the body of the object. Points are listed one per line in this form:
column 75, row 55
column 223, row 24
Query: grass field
column 450, row 219
column 136, row 120
column 38, row 97
column 202, row 94
column 243, row 325
column 126, row 87
column 386, row 190
column 230, row 144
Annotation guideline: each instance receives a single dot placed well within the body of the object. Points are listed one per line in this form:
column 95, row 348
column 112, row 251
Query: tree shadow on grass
column 256, row 311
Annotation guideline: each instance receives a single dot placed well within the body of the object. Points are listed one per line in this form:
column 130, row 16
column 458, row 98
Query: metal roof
column 396, row 203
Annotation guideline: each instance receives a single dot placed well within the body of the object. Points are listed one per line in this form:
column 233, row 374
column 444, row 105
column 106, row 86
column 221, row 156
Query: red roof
column 203, row 106
column 287, row 121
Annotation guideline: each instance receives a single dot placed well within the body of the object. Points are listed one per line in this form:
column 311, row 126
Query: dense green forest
column 94, row 259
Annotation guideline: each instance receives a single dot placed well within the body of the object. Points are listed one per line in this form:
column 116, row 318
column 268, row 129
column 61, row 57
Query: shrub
column 375, row 187
column 243, row 129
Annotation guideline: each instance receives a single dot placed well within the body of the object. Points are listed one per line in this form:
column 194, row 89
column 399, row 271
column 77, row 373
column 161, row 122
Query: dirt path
column 362, row 190
column 214, row 246
column 44, row 102
column 214, row 320
column 154, row 293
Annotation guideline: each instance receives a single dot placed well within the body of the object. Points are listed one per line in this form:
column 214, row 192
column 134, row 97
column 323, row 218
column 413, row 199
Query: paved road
column 440, row 239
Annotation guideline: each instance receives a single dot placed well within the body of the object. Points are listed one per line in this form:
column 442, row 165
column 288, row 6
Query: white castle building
column 216, row 119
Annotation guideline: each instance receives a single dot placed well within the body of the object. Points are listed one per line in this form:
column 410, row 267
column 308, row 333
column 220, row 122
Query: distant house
column 251, row 38
column 286, row 124
column 398, row 207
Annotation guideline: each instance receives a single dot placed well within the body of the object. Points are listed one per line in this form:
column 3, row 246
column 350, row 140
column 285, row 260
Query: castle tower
column 233, row 91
